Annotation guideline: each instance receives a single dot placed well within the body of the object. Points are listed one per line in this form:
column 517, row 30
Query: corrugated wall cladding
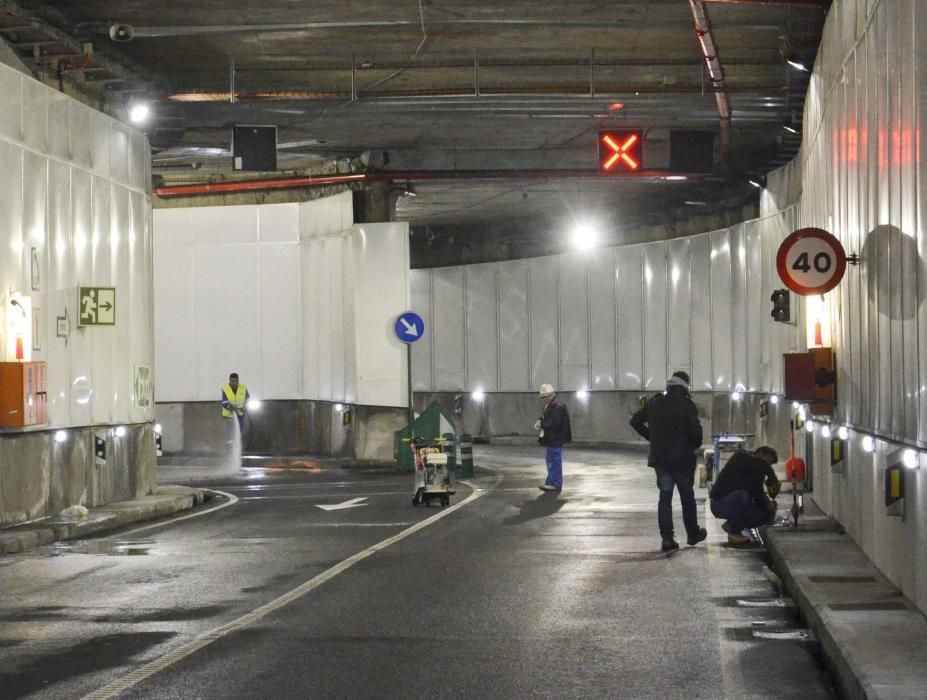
column 618, row 318
column 862, row 163
column 76, row 191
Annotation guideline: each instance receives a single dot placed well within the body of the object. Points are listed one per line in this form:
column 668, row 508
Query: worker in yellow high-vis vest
column 234, row 403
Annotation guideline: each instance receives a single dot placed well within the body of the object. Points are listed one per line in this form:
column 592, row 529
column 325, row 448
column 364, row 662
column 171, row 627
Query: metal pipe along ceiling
column 403, row 176
column 715, row 72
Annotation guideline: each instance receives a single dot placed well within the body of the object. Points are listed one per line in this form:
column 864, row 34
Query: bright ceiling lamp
column 139, row 112
column 585, row 236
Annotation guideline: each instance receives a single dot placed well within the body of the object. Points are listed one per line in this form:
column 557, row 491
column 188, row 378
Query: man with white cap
column 669, row 421
column 553, row 431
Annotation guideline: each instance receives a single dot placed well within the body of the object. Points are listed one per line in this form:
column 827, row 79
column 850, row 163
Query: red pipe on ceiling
column 706, row 42
column 409, row 176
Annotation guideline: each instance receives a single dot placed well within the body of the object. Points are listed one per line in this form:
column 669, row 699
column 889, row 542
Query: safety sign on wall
column 96, row 306
column 409, row 327
column 811, row 261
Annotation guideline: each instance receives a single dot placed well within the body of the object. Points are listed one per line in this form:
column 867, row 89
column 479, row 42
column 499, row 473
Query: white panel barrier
column 544, row 322
column 482, row 337
column 514, row 337
column 69, row 216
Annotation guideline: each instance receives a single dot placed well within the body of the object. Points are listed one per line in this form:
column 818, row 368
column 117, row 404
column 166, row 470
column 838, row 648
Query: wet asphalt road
column 513, row 594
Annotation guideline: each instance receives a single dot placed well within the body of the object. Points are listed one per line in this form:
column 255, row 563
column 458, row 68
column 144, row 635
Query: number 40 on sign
column 811, row 261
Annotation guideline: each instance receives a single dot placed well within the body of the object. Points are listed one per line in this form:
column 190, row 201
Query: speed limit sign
column 811, row 261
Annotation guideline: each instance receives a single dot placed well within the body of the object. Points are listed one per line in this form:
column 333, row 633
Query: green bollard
column 466, row 455
column 450, row 449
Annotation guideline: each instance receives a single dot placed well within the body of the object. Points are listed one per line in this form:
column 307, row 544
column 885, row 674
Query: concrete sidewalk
column 166, row 501
column 874, row 640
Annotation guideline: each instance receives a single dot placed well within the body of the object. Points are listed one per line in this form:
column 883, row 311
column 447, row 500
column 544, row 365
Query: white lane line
column 232, row 501
column 135, row 677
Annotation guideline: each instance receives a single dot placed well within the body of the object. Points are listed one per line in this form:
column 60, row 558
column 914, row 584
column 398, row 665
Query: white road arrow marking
column 353, row 503
column 411, row 328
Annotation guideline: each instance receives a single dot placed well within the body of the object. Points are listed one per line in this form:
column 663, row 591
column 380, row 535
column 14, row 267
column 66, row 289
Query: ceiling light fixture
column 797, row 66
column 139, row 113
column 791, row 129
column 584, row 237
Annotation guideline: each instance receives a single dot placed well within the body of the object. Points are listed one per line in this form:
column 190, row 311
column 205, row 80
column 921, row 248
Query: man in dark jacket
column 738, row 497
column 669, row 421
column 553, row 431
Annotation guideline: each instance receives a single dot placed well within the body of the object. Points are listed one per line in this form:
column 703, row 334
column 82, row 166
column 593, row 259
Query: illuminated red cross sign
column 620, row 150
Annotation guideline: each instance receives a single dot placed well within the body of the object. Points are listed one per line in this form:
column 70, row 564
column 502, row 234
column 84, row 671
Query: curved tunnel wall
column 862, row 172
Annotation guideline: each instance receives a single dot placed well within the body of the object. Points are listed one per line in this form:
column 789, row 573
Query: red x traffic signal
column 620, row 151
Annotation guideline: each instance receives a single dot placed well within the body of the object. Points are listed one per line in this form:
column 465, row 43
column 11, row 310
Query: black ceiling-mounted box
column 692, row 151
column 254, row 147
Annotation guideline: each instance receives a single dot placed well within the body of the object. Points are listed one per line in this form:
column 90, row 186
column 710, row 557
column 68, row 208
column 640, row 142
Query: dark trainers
column 669, row 545
column 738, row 540
column 548, row 487
column 697, row 537
column 726, row 526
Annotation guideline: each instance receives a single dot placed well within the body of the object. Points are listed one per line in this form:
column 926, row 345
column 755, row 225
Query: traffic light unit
column 781, row 311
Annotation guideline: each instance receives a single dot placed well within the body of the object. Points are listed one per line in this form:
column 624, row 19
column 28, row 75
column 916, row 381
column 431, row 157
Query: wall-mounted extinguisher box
column 23, row 394
column 811, row 377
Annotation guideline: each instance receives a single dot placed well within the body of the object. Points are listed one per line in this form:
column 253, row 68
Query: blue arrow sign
column 409, row 327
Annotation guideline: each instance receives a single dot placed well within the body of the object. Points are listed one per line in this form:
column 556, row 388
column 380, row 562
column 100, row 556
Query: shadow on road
column 542, row 506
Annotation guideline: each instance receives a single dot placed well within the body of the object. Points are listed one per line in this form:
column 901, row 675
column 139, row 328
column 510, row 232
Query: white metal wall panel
column 514, row 338
column 11, row 106
column 702, row 302
column 310, row 259
column 603, row 323
column 347, row 308
column 721, row 311
column 81, row 136
column 11, row 214
column 630, row 317
column 225, row 337
column 138, row 244
column 59, row 127
column 58, row 284
column 322, row 273
column 101, row 339
column 139, row 172
column 174, row 308
column 654, row 310
column 278, row 223
column 281, row 341
column 543, row 319
column 756, row 322
column 910, row 260
column 381, row 260
column 82, row 381
column 99, row 134
column 573, row 310
column 678, row 308
column 920, row 232
column 482, row 327
column 449, row 329
column 121, row 375
column 35, row 115
column 119, row 152
column 739, row 306
column 422, row 379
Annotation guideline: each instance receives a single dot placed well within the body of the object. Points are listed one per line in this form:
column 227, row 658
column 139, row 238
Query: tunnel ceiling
column 444, row 93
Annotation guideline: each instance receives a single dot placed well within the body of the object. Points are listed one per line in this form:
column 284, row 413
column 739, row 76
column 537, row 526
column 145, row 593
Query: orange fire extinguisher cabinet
column 795, row 469
column 23, row 397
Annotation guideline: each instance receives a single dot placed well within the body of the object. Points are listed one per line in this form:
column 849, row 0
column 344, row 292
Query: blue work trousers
column 666, row 482
column 554, row 458
column 741, row 512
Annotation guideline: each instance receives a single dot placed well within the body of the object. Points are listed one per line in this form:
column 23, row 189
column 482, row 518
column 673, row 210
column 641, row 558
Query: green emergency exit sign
column 96, row 306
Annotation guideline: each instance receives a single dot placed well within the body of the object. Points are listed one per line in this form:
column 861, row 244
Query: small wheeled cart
column 432, row 479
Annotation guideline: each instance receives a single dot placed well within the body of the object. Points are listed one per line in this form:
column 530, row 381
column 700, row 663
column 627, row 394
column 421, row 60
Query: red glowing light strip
column 611, row 161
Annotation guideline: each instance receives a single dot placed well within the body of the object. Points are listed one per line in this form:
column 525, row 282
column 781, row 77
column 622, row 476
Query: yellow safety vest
column 236, row 399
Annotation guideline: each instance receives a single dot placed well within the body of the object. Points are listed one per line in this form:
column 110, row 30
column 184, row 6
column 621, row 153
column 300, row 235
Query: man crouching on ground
column 738, row 497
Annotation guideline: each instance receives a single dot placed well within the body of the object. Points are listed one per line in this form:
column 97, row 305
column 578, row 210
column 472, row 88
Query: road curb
column 167, row 500
column 870, row 635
